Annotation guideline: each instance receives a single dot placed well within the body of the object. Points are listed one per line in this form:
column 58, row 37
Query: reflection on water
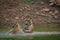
column 2, row 35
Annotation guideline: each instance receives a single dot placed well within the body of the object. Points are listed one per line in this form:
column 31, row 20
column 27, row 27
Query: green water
column 37, row 37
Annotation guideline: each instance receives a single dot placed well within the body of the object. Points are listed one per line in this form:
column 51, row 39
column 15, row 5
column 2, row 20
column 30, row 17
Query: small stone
column 7, row 19
column 37, row 12
column 42, row 2
column 56, row 11
column 50, row 12
column 27, row 7
column 16, row 17
column 20, row 9
column 55, row 16
column 51, row 4
column 45, row 9
column 42, row 14
column 14, row 10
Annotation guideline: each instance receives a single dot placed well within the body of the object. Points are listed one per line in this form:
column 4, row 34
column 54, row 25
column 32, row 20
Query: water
column 3, row 35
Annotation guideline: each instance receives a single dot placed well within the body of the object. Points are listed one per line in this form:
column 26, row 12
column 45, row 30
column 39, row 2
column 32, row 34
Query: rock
column 7, row 19
column 27, row 8
column 55, row 16
column 56, row 11
column 50, row 12
column 42, row 2
column 56, row 2
column 45, row 9
column 37, row 12
column 20, row 9
column 16, row 17
column 51, row 4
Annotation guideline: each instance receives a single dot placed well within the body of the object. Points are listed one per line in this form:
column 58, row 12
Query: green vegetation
column 41, row 37
column 51, row 27
column 26, row 1
column 44, row 28
column 18, row 0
